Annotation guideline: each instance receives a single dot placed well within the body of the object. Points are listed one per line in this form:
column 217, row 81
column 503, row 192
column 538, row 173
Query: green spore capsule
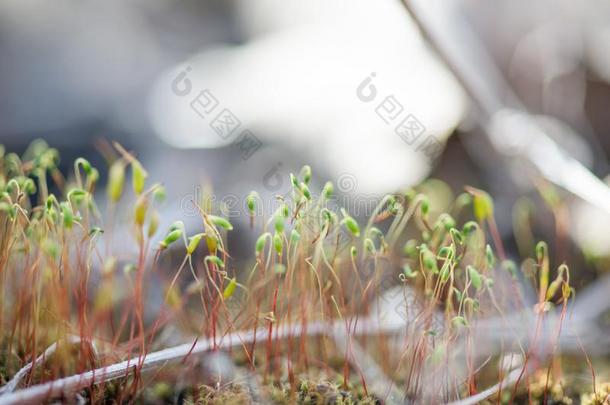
column 429, row 261
column 410, row 248
column 294, row 236
column 305, row 190
column 230, row 289
column 306, row 174
column 171, row 237
column 408, row 272
column 251, row 202
column 294, row 181
column 510, row 267
column 469, row 227
column 220, row 222
column 84, row 163
column 116, row 181
column 482, row 205
column 139, row 176
column 140, row 210
column 490, row 257
column 424, row 205
column 159, row 193
column 76, row 195
column 541, row 251
column 261, row 242
column 193, row 243
column 278, row 244
column 153, row 224
column 328, row 190
column 67, row 215
column 217, row 261
column 350, row 223
column 456, row 235
column 475, row 277
column 279, row 223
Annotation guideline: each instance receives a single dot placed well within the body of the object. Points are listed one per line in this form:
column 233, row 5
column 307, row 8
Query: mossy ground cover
column 306, row 319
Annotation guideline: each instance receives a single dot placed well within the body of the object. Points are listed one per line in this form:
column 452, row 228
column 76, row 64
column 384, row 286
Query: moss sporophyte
column 354, row 304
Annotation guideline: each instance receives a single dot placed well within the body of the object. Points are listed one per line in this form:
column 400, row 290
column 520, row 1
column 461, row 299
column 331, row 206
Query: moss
column 49, row 241
column 556, row 392
column 234, row 394
column 309, row 392
column 163, row 391
column 10, row 360
column 600, row 397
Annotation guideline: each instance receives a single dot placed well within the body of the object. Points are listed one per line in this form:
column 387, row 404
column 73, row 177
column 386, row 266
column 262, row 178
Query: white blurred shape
column 297, row 85
column 592, row 224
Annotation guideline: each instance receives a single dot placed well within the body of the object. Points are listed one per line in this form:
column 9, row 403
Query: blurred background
column 237, row 94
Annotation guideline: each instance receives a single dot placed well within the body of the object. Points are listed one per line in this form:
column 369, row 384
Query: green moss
column 308, row 392
column 538, row 392
column 600, row 397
